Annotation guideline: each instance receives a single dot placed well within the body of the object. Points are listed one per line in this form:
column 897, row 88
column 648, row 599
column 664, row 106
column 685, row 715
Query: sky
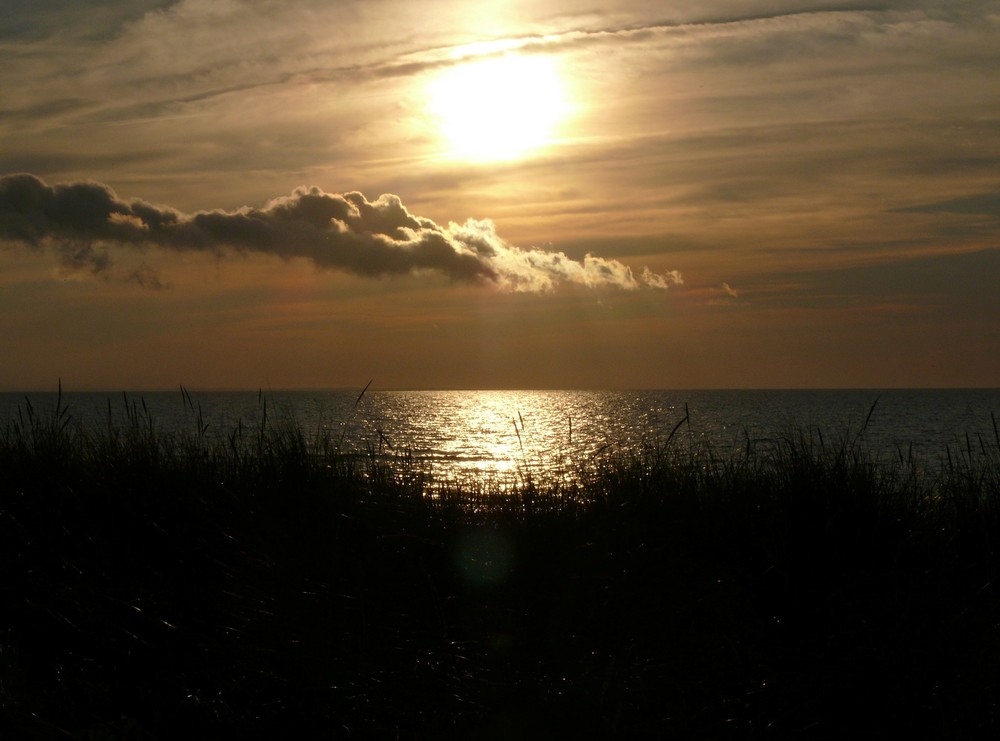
column 545, row 194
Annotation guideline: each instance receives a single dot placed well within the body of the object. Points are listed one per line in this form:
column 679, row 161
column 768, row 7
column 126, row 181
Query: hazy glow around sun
column 501, row 108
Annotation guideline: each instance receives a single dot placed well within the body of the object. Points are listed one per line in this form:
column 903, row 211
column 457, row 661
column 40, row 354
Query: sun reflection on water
column 505, row 436
column 495, row 439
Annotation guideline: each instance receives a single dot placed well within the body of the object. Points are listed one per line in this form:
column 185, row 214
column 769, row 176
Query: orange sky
column 772, row 194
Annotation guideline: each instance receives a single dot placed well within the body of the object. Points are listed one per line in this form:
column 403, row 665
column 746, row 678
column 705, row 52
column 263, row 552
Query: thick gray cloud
column 336, row 231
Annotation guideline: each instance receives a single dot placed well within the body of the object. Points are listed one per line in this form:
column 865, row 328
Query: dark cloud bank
column 347, row 232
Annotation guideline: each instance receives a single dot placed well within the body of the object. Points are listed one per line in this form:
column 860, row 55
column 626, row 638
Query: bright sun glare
column 498, row 109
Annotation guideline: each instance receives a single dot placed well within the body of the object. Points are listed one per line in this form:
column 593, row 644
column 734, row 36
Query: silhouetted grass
column 263, row 584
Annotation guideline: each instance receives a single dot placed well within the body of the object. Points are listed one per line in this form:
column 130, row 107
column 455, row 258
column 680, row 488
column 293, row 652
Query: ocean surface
column 455, row 435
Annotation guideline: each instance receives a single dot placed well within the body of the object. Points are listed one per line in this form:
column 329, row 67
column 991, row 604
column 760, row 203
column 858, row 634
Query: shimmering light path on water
column 551, row 434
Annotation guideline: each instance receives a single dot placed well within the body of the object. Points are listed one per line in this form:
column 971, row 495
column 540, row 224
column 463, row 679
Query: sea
column 455, row 436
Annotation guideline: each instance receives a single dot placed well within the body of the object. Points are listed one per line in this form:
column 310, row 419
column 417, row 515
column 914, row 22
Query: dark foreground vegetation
column 259, row 585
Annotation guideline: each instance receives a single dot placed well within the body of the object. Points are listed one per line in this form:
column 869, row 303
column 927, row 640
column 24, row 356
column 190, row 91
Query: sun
column 501, row 108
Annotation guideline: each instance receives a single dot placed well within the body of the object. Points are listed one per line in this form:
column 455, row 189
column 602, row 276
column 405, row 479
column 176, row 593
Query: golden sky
column 439, row 194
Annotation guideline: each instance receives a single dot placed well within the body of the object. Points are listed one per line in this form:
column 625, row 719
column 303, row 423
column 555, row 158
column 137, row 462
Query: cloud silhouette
column 347, row 232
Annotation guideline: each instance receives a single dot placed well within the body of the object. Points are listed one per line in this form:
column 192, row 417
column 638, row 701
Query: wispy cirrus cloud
column 194, row 51
column 346, row 232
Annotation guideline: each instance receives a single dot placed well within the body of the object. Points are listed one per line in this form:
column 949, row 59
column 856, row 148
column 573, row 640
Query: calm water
column 457, row 434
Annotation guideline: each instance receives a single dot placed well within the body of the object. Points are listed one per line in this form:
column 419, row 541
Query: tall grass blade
column 350, row 418
column 362, row 394
column 517, row 432
column 870, row 413
column 686, row 418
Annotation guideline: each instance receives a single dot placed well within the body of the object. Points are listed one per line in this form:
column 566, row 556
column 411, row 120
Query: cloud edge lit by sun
column 345, row 232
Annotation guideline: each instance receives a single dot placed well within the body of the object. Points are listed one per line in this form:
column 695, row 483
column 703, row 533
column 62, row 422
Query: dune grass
column 264, row 584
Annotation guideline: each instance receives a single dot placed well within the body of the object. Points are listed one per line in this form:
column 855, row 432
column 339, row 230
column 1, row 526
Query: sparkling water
column 455, row 435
